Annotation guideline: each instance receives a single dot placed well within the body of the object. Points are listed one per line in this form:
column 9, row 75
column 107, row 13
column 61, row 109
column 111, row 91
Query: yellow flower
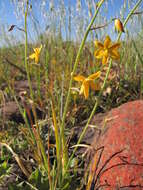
column 87, row 82
column 119, row 26
column 107, row 50
column 36, row 54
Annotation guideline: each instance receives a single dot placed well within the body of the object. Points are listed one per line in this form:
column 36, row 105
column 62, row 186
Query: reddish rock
column 121, row 158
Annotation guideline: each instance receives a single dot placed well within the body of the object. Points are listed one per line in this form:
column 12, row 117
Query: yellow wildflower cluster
column 87, row 82
column 107, row 50
column 104, row 51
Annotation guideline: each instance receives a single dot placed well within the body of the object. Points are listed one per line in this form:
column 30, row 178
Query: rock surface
column 118, row 164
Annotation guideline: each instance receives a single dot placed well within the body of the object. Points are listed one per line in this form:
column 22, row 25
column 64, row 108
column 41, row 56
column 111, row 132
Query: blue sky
column 8, row 17
column 6, row 12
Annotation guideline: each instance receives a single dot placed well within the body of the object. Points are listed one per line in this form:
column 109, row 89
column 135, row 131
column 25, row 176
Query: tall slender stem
column 65, row 153
column 26, row 63
column 26, row 44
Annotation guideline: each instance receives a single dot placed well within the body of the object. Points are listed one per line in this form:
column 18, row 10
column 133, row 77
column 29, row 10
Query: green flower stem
column 26, row 44
column 103, row 86
column 27, row 66
column 39, row 141
column 65, row 152
column 28, row 72
column 38, row 81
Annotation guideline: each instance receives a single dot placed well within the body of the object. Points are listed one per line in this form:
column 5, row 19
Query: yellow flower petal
column 81, row 89
column 79, row 78
column 115, row 46
column 99, row 53
column 115, row 54
column 36, row 58
column 106, row 53
column 32, row 56
column 108, row 50
column 37, row 50
column 107, row 42
column 87, row 82
column 104, row 60
column 86, row 89
column 36, row 54
column 98, row 44
column 95, row 75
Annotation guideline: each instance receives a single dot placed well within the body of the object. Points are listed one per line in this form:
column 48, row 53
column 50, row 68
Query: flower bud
column 119, row 26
